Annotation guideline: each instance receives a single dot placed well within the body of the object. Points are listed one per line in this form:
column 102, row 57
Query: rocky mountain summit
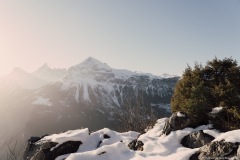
column 166, row 140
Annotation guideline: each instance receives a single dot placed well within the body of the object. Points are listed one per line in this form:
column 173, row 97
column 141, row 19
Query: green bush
column 204, row 87
column 227, row 119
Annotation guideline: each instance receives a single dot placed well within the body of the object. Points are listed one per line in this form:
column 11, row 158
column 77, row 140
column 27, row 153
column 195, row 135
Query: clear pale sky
column 156, row 36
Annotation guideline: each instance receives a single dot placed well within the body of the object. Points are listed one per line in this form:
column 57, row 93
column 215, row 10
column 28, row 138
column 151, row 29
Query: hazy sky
column 156, row 36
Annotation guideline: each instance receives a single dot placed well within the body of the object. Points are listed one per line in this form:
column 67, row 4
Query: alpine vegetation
column 203, row 88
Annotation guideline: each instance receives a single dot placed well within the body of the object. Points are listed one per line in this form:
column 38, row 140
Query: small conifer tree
column 202, row 88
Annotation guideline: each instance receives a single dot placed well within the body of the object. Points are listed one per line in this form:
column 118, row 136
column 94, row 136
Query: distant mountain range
column 85, row 95
column 20, row 79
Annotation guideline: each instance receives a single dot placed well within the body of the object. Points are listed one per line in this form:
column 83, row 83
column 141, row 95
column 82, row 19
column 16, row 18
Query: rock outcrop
column 217, row 150
column 136, row 145
column 49, row 150
column 176, row 121
column 184, row 142
column 196, row 139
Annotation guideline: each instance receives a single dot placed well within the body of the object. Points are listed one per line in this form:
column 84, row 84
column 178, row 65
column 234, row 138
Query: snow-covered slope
column 92, row 90
column 93, row 69
column 102, row 81
column 85, row 95
column 155, row 146
column 106, row 144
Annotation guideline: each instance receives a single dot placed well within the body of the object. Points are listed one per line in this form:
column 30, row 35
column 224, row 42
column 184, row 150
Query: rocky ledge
column 170, row 138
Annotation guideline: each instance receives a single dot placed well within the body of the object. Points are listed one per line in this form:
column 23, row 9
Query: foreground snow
column 106, row 144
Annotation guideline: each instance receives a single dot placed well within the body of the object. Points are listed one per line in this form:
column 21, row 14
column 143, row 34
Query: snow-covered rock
column 217, row 150
column 107, row 144
column 196, row 139
column 48, row 147
column 177, row 121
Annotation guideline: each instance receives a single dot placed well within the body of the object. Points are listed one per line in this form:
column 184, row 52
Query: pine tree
column 202, row 88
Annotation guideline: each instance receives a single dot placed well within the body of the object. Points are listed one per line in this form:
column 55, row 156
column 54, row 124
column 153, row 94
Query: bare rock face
column 48, row 150
column 178, row 120
column 217, row 150
column 196, row 139
column 136, row 145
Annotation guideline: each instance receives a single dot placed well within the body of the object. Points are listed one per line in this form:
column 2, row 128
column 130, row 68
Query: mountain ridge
column 47, row 74
column 79, row 97
column 86, row 95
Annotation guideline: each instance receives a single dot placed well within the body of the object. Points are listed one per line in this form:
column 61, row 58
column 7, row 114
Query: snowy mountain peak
column 91, row 60
column 48, row 74
column 92, row 64
column 92, row 79
column 44, row 66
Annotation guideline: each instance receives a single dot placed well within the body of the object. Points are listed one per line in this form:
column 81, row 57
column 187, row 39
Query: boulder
column 176, row 121
column 136, row 145
column 217, row 150
column 196, row 139
column 47, row 150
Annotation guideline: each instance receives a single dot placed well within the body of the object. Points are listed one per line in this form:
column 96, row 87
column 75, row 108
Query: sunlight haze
column 110, row 79
column 149, row 36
